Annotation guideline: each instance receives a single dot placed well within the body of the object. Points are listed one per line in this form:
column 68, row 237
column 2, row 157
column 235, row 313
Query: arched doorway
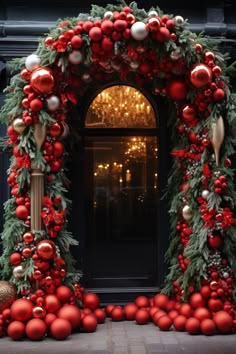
column 119, row 185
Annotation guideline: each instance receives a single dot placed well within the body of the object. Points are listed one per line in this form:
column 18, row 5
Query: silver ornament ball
column 139, row 31
column 18, row 272
column 152, row 13
column 32, row 62
column 53, row 103
column 179, row 20
column 205, row 194
column 108, row 15
column 75, row 57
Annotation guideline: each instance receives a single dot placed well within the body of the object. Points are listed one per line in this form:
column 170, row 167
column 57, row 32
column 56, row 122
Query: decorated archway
column 127, row 44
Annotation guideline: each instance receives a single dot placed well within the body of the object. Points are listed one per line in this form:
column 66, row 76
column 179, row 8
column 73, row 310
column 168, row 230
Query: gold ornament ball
column 7, row 294
column 187, row 212
column 18, row 125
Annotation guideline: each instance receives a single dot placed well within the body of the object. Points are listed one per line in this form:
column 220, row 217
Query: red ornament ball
column 157, row 315
column 55, row 130
column 202, row 313
column 107, row 26
column 76, row 42
column 200, row 75
column 164, row 323
column 21, row 310
column 205, row 291
column 63, row 293
column 49, row 318
column 142, row 317
column 42, row 80
column 16, row 330
column 153, row 310
column 60, row 328
column 179, row 323
column 36, row 105
column 89, row 323
column 36, row 329
column 22, row 212
column 208, row 327
column 95, row 34
column 58, row 149
column 160, row 301
column 185, row 310
column 130, row 311
column 117, row 314
column 109, row 308
column 197, row 300
column 91, row 301
column 218, row 94
column 192, row 325
column 100, row 315
column 215, row 305
column 177, row 90
column 70, row 313
column 215, row 241
column 15, row 258
column 52, row 303
column 142, row 301
column 46, row 249
column 173, row 314
column 223, row 321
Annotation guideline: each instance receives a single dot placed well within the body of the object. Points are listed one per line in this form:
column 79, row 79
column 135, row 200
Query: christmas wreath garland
column 126, row 44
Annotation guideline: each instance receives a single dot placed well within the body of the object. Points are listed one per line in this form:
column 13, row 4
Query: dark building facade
column 119, row 215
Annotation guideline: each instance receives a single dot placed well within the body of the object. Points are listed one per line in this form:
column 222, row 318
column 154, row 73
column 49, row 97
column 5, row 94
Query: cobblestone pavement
column 125, row 338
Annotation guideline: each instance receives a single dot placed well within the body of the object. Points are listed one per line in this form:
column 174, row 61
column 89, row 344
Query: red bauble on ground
column 202, row 313
column 142, row 316
column 70, row 313
column 16, row 330
column 223, row 321
column 22, row 212
column 63, row 293
column 36, row 329
column 60, row 328
column 91, row 301
column 100, row 315
column 130, row 311
column 161, row 301
column 153, row 310
column 49, row 318
column 164, row 323
column 185, row 310
column 197, row 300
column 208, row 327
column 173, row 314
column 52, row 303
column 117, row 314
column 215, row 305
column 179, row 323
column 109, row 308
column 21, row 310
column 192, row 325
column 89, row 323
column 157, row 315
column 170, row 305
column 177, row 90
column 142, row 301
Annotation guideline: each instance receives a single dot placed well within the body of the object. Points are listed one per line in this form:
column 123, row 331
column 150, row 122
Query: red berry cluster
column 220, row 184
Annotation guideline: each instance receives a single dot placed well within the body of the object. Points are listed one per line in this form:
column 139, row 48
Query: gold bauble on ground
column 7, row 294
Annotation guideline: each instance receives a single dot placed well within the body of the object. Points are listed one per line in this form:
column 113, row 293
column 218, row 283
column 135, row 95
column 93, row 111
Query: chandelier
column 120, row 107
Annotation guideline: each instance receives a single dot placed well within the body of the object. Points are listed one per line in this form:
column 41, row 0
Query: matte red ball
column 185, row 310
column 192, row 325
column 208, row 327
column 36, row 329
column 63, row 293
column 22, row 212
column 89, row 323
column 177, row 90
column 109, row 308
column 15, row 258
column 52, row 303
column 142, row 317
column 49, row 318
column 153, row 310
column 142, row 301
column 215, row 241
column 100, row 315
column 117, row 314
column 170, row 305
column 16, row 330
column 161, row 301
column 219, row 94
column 76, row 42
column 179, row 323
column 205, row 291
column 215, row 305
column 157, row 315
column 36, row 105
column 58, row 149
column 223, row 321
column 197, row 300
column 201, row 313
column 60, row 328
column 164, row 323
column 107, row 26
column 91, row 301
column 70, row 313
column 130, row 311
column 95, row 34
column 173, row 314
column 21, row 310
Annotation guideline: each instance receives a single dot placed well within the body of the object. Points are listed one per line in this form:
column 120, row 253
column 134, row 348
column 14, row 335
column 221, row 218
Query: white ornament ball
column 152, row 13
column 18, row 272
column 225, row 275
column 139, row 31
column 32, row 62
column 53, row 103
column 179, row 20
column 75, row 57
column 134, row 65
column 205, row 194
column 175, row 54
column 108, row 15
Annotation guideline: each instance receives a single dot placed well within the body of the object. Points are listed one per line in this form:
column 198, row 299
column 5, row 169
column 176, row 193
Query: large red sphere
column 208, row 327
column 157, row 315
column 35, row 329
column 192, row 325
column 185, row 310
column 215, row 304
column 63, row 293
column 117, row 314
column 15, row 258
column 21, row 310
column 223, row 321
column 205, row 291
column 142, row 301
column 100, row 315
column 91, row 301
column 177, row 90
column 49, row 318
column 142, row 316
column 130, row 311
column 70, row 313
column 164, row 323
column 109, row 308
column 89, row 323
column 42, row 80
column 173, row 314
column 197, row 300
column 46, row 249
column 161, row 301
column 22, row 212
column 200, row 75
column 16, row 330
column 60, row 328
column 52, row 303
column 202, row 313
column 179, row 323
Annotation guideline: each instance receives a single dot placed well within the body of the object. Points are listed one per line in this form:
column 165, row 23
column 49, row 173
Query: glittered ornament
column 45, row 249
column 36, row 329
column 21, row 310
column 42, row 80
column 75, row 57
column 200, row 75
column 60, row 328
column 18, row 272
column 32, row 62
column 7, row 294
column 187, row 213
column 139, row 31
column 19, row 125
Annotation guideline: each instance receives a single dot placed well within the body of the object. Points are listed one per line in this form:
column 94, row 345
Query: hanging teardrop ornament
column 39, row 134
column 217, row 138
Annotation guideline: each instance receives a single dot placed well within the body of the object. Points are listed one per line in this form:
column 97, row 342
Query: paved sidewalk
column 125, row 338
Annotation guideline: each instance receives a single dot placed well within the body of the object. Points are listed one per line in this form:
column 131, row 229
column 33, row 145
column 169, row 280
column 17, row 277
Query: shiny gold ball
column 7, row 294
column 187, row 212
column 18, row 125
